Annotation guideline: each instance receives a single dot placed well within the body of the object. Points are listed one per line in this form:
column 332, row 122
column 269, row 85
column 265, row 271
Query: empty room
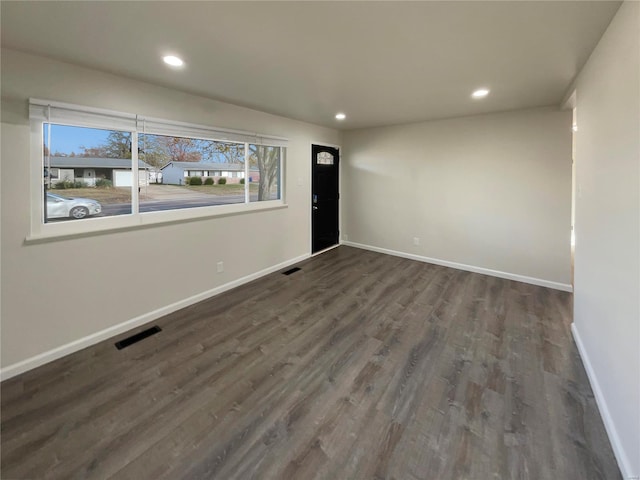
column 320, row 240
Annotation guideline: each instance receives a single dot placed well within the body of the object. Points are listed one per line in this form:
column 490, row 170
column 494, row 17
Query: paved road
column 159, row 205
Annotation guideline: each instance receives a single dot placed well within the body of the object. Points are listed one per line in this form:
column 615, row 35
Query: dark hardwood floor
column 359, row 366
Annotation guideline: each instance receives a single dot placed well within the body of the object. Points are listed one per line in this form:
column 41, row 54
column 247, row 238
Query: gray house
column 89, row 169
column 175, row 172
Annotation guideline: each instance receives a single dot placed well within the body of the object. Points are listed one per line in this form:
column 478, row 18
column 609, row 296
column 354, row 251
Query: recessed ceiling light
column 480, row 93
column 173, row 61
column 340, row 116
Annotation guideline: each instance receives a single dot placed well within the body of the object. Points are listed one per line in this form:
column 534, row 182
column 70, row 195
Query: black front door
column 324, row 197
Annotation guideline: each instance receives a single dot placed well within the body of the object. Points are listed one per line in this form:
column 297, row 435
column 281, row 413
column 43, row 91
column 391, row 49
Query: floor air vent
column 137, row 337
column 293, row 270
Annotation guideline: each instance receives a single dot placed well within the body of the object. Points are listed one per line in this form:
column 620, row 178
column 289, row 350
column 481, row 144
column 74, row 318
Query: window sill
column 122, row 223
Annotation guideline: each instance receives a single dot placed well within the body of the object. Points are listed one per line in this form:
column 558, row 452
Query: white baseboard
column 469, row 268
column 616, row 444
column 325, row 250
column 54, row 354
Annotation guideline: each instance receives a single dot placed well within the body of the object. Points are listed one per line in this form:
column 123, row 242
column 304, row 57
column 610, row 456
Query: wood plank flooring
column 359, row 366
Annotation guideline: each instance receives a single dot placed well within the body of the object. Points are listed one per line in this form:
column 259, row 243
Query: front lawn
column 112, row 195
column 102, row 195
column 227, row 189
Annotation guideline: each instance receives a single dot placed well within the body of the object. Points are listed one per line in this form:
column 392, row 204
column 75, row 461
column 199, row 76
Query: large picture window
column 103, row 169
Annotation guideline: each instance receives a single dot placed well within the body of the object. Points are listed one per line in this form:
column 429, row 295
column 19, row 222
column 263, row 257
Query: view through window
column 188, row 172
column 264, row 169
column 88, row 172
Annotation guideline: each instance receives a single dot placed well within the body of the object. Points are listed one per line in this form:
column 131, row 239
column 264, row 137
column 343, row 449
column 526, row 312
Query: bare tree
column 152, row 152
column 95, row 152
column 182, row 149
column 267, row 160
column 118, row 145
column 229, row 152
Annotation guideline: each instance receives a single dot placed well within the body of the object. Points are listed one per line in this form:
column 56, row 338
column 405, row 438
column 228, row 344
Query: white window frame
column 58, row 113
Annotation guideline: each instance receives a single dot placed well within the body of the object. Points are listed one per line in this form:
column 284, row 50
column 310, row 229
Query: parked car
column 64, row 207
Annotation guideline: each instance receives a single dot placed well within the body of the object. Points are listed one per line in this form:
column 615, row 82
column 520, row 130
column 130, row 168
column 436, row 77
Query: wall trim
column 326, row 250
column 469, row 268
column 59, row 352
column 605, row 413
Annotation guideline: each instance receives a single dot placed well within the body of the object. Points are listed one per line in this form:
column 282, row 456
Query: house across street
column 174, row 173
column 89, row 169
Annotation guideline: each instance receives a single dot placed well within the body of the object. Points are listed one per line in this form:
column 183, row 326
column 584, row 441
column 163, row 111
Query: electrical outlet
column 416, row 241
column 345, row 237
column 220, row 266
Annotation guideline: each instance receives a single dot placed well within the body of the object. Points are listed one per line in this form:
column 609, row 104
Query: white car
column 63, row 207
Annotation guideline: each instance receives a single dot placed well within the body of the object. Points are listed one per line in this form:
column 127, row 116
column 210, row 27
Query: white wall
column 607, row 256
column 488, row 191
column 48, row 300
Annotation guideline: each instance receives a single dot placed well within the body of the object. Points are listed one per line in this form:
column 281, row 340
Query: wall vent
column 137, row 337
column 292, row 270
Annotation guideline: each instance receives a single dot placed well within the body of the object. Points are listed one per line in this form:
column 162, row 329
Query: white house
column 88, row 170
column 175, row 172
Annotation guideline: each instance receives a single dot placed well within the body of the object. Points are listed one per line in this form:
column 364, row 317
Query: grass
column 113, row 195
column 102, row 195
column 228, row 189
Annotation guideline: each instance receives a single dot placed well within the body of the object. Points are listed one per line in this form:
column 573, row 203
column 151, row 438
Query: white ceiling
column 379, row 62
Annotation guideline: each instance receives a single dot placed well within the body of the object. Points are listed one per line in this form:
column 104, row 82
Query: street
column 159, row 205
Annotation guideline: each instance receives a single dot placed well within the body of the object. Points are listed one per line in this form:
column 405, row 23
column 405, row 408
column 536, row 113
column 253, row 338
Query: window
column 185, row 164
column 264, row 170
column 87, row 172
column 102, row 169
column 324, row 158
column 52, row 174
